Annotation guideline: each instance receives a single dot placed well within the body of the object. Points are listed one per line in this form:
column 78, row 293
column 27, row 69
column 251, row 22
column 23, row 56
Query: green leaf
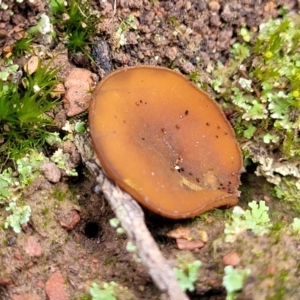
column 256, row 219
column 234, row 280
column 106, row 292
column 248, row 133
column 19, row 216
column 188, row 276
column 296, row 225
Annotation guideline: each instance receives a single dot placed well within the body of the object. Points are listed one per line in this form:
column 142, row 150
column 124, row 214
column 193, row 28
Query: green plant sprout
column 105, row 292
column 131, row 247
column 8, row 69
column 61, row 160
column 76, row 23
column 43, row 27
column 233, row 281
column 22, row 46
column 296, row 225
column 19, row 216
column 256, row 220
column 126, row 25
column 110, row 291
column 115, row 223
column 244, row 32
column 188, row 276
column 27, row 169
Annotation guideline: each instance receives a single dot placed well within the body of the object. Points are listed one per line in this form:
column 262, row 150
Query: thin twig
column 132, row 220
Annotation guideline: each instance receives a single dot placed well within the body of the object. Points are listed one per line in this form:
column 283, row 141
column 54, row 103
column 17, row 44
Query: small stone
column 214, row 5
column 32, row 65
column 55, row 287
column 7, row 49
column 180, row 233
column 171, row 53
column 70, row 220
column 187, row 67
column 231, row 259
column 33, row 248
column 5, row 281
column 269, row 6
column 3, row 34
column 203, row 235
column 40, row 284
column 50, row 171
column 58, row 91
column 18, row 256
column 184, row 244
column 271, row 270
column 79, row 85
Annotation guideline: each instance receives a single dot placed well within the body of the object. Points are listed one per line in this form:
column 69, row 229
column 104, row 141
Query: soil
column 69, row 235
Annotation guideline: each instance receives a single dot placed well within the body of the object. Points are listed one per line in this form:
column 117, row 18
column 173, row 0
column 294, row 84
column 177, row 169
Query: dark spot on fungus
column 137, row 104
column 145, row 170
column 141, row 101
column 217, row 136
column 177, row 126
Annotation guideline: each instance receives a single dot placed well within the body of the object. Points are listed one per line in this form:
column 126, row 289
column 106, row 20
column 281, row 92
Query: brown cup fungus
column 165, row 142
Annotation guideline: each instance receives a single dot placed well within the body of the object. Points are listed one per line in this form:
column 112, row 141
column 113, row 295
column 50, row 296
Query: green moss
column 23, row 122
column 75, row 22
column 59, row 194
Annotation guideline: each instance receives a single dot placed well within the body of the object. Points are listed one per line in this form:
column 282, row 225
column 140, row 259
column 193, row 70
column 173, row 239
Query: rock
column 50, row 171
column 79, row 85
column 69, row 147
column 186, row 67
column 184, row 244
column 180, row 233
column 70, row 220
column 231, row 259
column 55, row 287
column 214, row 5
column 5, row 281
column 33, row 247
column 203, row 235
column 171, row 53
column 32, row 65
column 102, row 57
column 18, row 256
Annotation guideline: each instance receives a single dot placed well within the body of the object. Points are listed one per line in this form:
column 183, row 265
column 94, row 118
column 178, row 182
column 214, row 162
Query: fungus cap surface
column 164, row 141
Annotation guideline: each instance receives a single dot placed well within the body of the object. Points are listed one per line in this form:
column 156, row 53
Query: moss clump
column 23, row 107
column 261, row 87
column 75, row 22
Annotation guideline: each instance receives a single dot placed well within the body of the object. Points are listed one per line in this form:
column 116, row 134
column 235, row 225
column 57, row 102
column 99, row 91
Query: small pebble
column 214, row 5
column 231, row 259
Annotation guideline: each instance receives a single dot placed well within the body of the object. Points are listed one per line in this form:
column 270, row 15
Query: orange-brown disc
column 164, row 141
